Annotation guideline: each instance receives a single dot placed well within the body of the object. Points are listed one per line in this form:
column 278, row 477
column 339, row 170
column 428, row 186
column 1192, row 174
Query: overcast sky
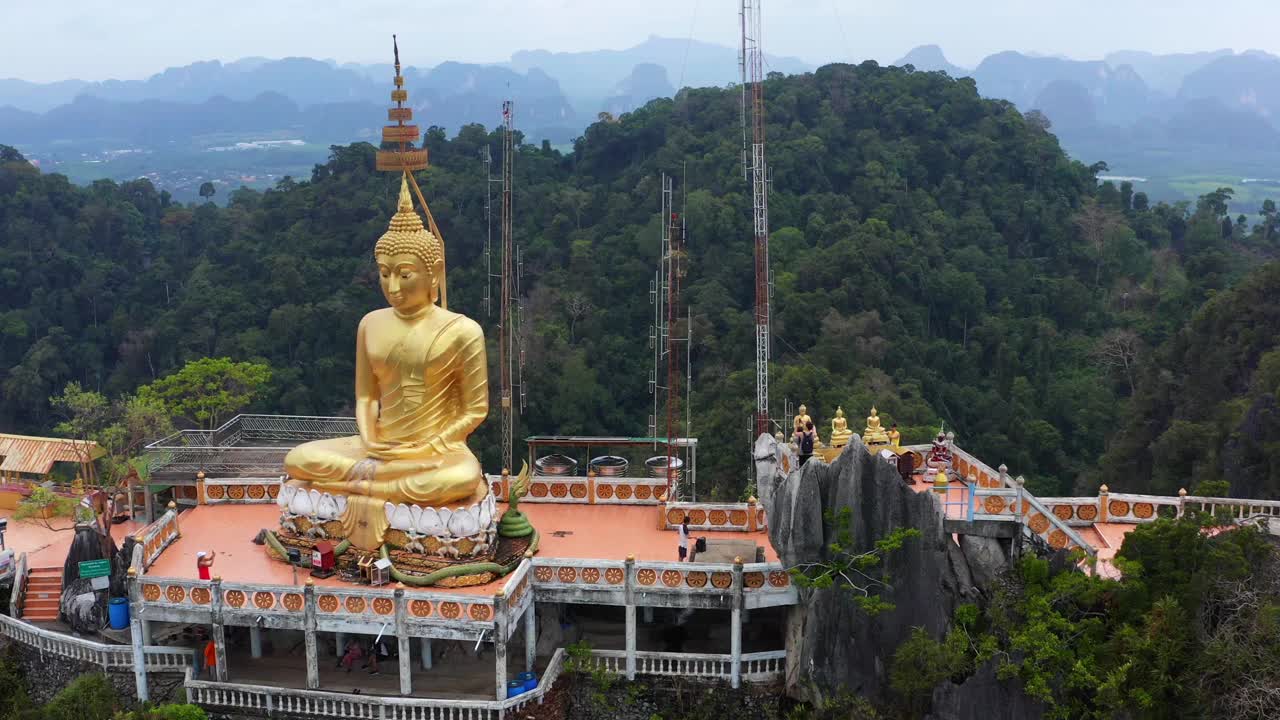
column 127, row 39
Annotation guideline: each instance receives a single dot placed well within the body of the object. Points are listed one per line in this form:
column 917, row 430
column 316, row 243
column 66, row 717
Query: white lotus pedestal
column 419, row 540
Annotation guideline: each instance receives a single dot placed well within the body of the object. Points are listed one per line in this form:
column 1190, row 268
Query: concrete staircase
column 42, row 595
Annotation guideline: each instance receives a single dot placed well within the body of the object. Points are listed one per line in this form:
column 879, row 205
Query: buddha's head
column 410, row 260
column 803, row 409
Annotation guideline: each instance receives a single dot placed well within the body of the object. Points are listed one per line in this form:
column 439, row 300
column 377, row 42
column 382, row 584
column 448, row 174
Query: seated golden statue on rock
column 840, row 432
column 421, row 388
column 874, row 434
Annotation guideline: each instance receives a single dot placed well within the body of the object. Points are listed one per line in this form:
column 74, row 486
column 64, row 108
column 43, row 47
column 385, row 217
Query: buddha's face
column 408, row 283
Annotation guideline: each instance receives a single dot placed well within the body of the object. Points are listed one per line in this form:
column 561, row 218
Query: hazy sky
column 98, row 39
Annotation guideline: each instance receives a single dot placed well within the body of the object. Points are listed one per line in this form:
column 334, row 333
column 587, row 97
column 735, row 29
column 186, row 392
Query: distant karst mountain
column 930, row 59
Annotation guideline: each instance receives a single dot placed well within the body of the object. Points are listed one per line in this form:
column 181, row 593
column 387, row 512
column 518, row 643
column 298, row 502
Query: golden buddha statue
column 840, row 432
column 874, row 434
column 802, row 419
column 421, row 389
column 895, row 437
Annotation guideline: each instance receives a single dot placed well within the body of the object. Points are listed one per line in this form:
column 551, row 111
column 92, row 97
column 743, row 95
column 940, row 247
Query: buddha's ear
column 437, row 278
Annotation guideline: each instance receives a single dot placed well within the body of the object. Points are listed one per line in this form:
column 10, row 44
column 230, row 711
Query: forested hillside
column 934, row 253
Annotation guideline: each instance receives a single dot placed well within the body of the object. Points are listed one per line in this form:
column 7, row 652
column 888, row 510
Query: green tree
column 208, row 390
column 207, row 190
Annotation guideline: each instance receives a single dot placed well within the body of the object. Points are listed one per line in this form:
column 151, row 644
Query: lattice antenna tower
column 751, row 65
column 670, row 330
column 510, row 349
column 486, row 158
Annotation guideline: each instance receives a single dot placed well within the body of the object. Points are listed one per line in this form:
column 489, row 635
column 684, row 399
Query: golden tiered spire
column 405, row 159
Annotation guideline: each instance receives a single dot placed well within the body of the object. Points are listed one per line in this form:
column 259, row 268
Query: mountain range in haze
column 1143, row 113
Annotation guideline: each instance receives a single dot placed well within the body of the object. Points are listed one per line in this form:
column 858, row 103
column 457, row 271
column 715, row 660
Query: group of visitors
column 357, row 651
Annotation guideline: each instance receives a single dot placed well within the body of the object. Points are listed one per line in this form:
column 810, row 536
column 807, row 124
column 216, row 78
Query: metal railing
column 318, row 703
column 756, row 667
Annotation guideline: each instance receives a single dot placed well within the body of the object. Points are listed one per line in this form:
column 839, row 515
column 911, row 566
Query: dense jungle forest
column 934, row 254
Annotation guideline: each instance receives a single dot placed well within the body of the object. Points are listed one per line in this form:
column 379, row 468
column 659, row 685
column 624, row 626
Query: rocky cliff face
column 834, row 646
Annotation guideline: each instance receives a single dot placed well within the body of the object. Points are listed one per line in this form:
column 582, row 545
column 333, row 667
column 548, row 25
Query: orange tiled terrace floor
column 46, row 542
column 610, row 532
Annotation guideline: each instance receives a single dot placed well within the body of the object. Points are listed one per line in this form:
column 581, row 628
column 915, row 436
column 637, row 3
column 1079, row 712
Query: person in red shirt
column 211, row 659
column 204, row 564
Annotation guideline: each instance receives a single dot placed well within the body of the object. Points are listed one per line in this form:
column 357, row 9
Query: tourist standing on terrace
column 805, row 440
column 684, row 538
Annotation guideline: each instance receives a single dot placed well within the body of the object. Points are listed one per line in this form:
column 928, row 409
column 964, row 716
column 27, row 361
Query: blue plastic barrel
column 529, row 680
column 514, row 688
column 118, row 610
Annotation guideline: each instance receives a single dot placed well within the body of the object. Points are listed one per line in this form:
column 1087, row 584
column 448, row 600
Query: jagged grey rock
column 983, row 696
column 986, row 559
column 839, row 647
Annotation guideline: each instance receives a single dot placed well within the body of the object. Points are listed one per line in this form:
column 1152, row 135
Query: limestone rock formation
column 835, row 646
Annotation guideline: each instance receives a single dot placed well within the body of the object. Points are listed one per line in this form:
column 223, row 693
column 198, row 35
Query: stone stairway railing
column 105, row 656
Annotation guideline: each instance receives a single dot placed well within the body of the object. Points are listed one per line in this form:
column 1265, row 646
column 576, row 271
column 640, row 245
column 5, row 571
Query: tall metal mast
column 507, row 316
column 751, row 63
column 670, row 327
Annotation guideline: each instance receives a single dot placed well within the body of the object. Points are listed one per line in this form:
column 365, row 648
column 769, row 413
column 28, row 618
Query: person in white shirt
column 684, row 538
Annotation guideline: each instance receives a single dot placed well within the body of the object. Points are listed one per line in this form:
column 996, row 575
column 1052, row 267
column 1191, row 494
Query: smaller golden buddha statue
column 895, row 437
column 840, row 432
column 802, row 419
column 874, row 434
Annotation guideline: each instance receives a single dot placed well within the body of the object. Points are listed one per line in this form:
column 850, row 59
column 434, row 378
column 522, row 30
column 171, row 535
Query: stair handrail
column 19, row 586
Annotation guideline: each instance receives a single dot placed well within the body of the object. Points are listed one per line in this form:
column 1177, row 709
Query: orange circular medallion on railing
column 559, row 490
column 614, row 576
column 1057, row 540
column 481, row 613
column 567, row 574
column 450, row 610
column 671, row 578
column 538, row 490
column 201, row 595
column 215, row 492
column 355, row 605
column 674, row 516
column 235, row 492
column 234, row 598
column 383, row 606
column 578, row 491
column 328, row 603
column 293, row 602
column 264, row 600
column 993, row 505
column 779, row 578
column 643, row 492
column 1143, row 511
column 646, row 576
column 1064, row 512
column 257, row 492
column 591, row 575
column 604, row 492
column 175, row 594
column 543, row 573
column 697, row 517
column 738, row 518
column 721, row 580
column 1087, row 513
column 1118, row 508
column 150, row 592
column 695, row 579
column 420, row 608
column 624, row 492
column 718, row 517
column 273, row 491
column 753, row 580
column 1038, row 523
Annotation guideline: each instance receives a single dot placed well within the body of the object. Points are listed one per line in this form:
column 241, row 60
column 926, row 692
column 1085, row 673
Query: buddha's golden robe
column 430, row 379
